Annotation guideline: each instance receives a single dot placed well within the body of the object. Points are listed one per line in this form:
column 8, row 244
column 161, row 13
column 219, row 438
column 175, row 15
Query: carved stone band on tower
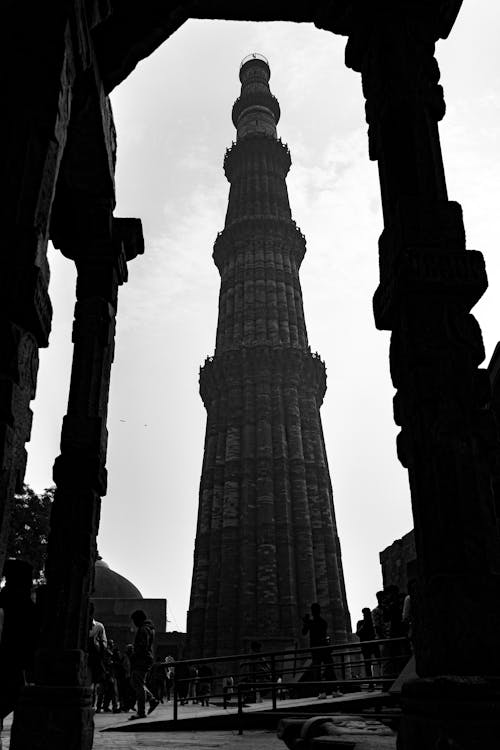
column 266, row 542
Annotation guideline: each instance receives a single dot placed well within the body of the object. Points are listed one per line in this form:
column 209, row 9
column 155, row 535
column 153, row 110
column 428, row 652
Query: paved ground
column 368, row 734
column 147, row 740
column 255, row 740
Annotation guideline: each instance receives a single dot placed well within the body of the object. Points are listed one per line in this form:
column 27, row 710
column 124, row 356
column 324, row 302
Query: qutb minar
column 266, row 541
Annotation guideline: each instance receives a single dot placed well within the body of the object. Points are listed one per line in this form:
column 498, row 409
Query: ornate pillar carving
column 80, row 477
column 33, row 134
column 428, row 284
column 50, row 48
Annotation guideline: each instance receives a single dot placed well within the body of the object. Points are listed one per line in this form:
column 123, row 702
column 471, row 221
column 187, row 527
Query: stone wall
column 395, row 558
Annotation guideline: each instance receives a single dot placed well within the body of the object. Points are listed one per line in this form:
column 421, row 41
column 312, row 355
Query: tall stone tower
column 266, row 541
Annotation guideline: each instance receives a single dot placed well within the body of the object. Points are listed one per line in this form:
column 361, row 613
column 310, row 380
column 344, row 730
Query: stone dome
column 111, row 585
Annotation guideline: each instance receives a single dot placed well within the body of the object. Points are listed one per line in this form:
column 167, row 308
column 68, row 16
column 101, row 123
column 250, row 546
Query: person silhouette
column 19, row 634
column 141, row 662
column 317, row 627
column 370, row 651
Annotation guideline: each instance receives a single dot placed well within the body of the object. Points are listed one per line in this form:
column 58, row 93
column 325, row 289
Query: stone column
column 429, row 283
column 57, row 711
column 33, row 131
column 47, row 49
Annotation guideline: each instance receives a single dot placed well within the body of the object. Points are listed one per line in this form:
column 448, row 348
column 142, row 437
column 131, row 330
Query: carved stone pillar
column 428, row 284
column 33, row 135
column 57, row 711
column 47, row 48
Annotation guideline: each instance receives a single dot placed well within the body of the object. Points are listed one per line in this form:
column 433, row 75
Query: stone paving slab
column 162, row 717
column 258, row 740
column 148, row 734
column 255, row 740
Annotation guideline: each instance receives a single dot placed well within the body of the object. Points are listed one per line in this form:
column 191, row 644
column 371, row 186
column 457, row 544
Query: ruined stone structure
column 59, row 62
column 266, row 541
column 397, row 562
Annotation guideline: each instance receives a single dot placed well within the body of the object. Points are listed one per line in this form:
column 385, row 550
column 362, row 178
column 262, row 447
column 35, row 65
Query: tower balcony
column 234, row 157
column 256, row 99
column 291, row 366
column 248, row 227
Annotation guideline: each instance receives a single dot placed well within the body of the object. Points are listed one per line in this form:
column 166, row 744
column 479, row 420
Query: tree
column 29, row 530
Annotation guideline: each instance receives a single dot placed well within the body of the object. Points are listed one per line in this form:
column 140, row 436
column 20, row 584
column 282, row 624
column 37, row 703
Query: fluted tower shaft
column 266, row 543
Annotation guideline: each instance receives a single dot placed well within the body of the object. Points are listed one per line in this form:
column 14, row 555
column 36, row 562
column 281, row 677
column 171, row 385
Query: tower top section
column 256, row 111
column 251, row 58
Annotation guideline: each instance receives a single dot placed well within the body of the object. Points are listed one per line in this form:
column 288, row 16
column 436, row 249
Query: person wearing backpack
column 141, row 661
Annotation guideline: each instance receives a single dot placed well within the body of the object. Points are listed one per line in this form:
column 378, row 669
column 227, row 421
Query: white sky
column 173, row 118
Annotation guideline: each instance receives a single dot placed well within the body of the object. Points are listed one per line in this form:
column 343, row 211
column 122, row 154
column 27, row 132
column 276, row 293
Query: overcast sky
column 173, row 119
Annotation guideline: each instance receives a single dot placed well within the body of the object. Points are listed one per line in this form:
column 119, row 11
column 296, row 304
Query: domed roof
column 111, row 585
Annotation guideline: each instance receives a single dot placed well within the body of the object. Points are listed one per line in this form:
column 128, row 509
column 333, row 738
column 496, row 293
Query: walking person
column 366, row 632
column 106, row 687
column 122, row 676
column 193, row 683
column 255, row 671
column 181, row 681
column 205, row 675
column 127, row 699
column 158, row 678
column 261, row 669
column 227, row 689
column 317, row 627
column 400, row 652
column 141, row 661
column 169, row 682
column 109, row 683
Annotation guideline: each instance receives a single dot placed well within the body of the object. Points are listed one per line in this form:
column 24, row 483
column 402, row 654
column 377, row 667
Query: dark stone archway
column 60, row 62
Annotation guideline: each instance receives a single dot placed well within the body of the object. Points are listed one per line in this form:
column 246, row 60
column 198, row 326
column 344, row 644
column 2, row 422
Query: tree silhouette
column 30, row 527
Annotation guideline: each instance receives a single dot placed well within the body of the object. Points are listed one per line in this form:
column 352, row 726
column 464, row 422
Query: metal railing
column 282, row 671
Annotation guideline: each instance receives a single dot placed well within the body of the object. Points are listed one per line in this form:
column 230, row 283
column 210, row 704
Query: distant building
column 395, row 560
column 115, row 598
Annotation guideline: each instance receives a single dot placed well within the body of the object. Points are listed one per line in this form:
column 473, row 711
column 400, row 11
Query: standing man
column 141, row 661
column 96, row 646
column 317, row 628
column 381, row 625
column 366, row 632
column 18, row 634
column 97, row 631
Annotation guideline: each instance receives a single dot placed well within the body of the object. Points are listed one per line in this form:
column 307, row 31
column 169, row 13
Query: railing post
column 175, row 698
column 240, row 711
column 273, row 678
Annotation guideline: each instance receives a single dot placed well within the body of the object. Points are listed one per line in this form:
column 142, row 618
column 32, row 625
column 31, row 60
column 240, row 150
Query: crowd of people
column 391, row 618
column 130, row 678
column 123, row 680
column 194, row 683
